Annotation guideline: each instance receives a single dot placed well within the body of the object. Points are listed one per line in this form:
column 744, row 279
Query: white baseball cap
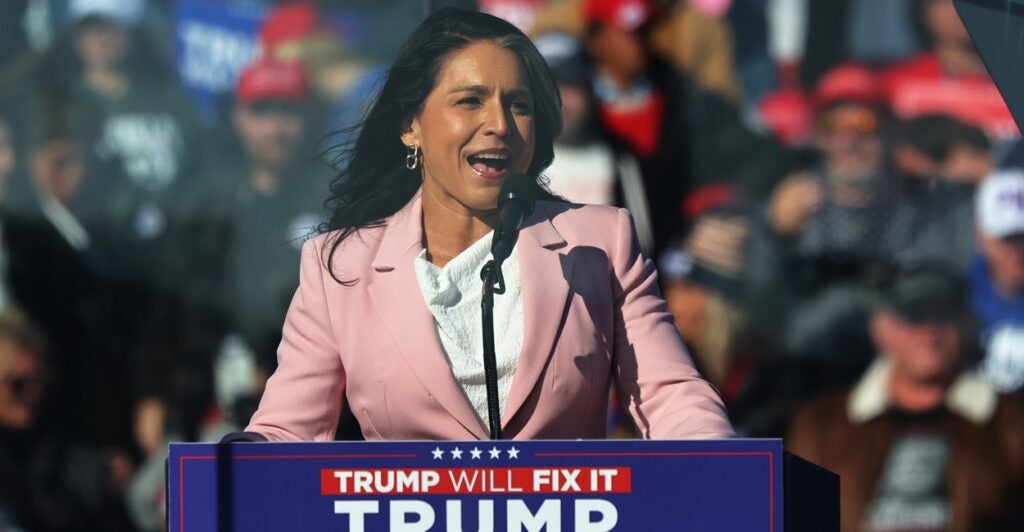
column 124, row 12
column 999, row 204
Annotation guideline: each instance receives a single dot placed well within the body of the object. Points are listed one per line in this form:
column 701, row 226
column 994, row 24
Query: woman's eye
column 522, row 107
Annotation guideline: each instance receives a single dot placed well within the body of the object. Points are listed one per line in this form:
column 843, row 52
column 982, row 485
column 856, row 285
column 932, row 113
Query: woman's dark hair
column 373, row 182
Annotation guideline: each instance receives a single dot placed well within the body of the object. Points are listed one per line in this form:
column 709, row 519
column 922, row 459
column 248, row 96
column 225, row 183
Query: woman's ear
column 411, row 132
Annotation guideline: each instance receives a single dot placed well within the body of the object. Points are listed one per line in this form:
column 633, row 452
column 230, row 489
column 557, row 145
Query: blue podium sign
column 734, row 485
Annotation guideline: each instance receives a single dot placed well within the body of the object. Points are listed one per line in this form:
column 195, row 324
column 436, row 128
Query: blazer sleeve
column 665, row 394
column 303, row 397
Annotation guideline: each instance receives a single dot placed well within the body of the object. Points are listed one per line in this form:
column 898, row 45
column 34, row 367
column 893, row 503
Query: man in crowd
column 822, row 232
column 275, row 200
column 140, row 137
column 920, row 442
column 243, row 235
column 997, row 277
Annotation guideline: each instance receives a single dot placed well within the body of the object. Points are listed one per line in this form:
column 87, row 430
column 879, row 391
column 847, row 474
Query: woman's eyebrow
column 476, row 89
column 481, row 89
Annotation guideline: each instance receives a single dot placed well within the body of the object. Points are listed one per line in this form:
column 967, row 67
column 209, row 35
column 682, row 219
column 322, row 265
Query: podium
column 600, row 485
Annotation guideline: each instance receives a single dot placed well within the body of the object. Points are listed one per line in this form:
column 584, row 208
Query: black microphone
column 515, row 201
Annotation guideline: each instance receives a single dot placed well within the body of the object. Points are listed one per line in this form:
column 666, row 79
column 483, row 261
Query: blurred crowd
column 833, row 193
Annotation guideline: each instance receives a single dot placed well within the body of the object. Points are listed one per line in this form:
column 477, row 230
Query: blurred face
column 475, row 129
column 101, row 44
column 6, row 156
column 848, row 137
column 687, row 302
column 57, row 169
column 575, row 106
column 20, row 386
column 943, row 22
column 1005, row 260
column 271, row 133
column 618, row 52
column 923, row 352
column 966, row 164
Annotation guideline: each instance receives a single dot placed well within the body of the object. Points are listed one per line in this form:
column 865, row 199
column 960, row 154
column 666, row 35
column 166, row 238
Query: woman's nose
column 496, row 119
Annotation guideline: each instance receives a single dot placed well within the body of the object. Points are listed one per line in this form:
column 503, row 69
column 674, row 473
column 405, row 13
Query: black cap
column 565, row 57
column 927, row 293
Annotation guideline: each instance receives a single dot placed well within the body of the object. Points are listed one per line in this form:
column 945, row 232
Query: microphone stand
column 515, row 203
column 494, row 283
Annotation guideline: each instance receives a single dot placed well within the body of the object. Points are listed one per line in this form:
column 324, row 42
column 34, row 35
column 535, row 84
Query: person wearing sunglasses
column 824, row 229
column 49, row 480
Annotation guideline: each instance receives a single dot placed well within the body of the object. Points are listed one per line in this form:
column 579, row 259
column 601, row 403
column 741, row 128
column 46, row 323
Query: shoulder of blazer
column 352, row 257
column 582, row 224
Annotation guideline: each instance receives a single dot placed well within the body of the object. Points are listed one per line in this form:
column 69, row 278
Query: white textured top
column 453, row 294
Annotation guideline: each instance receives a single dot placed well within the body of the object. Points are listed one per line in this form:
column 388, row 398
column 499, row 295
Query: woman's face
column 475, row 129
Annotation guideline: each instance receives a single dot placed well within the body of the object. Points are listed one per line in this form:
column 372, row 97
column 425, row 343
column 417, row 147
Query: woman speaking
column 386, row 319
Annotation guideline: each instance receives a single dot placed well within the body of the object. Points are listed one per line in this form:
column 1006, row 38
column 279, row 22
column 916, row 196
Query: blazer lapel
column 398, row 299
column 546, row 275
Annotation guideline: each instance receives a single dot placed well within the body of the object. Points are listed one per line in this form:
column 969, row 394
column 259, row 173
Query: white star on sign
column 457, row 453
column 438, row 453
column 513, row 453
column 495, row 453
column 475, row 453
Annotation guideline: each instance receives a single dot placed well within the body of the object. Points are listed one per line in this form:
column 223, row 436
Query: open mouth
column 491, row 165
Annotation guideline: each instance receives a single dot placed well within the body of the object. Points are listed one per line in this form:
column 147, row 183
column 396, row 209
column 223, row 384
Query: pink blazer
column 592, row 312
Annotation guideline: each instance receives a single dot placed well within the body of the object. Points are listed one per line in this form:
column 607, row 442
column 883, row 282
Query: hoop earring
column 412, row 159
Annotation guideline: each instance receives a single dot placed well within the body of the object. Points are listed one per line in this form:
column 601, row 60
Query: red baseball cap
column 288, row 22
column 787, row 114
column 274, row 81
column 848, row 83
column 627, row 15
